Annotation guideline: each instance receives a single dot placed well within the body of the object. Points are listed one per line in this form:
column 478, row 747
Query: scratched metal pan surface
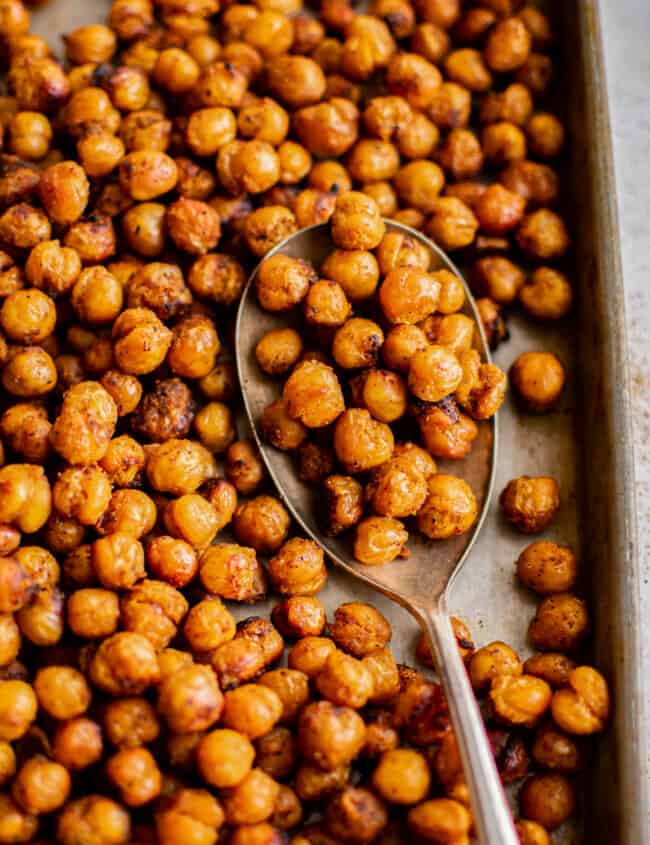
column 586, row 445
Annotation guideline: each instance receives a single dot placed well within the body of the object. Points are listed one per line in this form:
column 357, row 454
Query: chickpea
column 208, row 625
column 356, row 344
column 548, row 799
column 499, row 210
column 381, row 392
column 224, row 757
column 384, row 116
column 538, row 380
column 370, row 160
column 252, row 800
column 252, row 710
column 283, row 282
column 118, row 560
column 165, row 412
column 215, row 427
column 193, row 225
column 179, row 466
column 93, row 816
column 330, row 736
column 360, row 442
column 262, row 523
column 93, row 613
column 25, row 502
column 124, row 458
column 232, row 572
column 418, row 184
column 92, row 238
column 493, row 661
column 86, row 423
column 379, row 539
column 556, row 751
column 134, row 773
column 243, row 467
column 193, row 813
column 545, row 135
column 154, row 609
column 452, row 224
column 10, row 642
column 15, row 824
column 552, row 668
column 29, row 372
column 513, row 105
column 41, row 786
column 547, row 568
column 63, row 535
column 508, row 45
column 560, row 624
column 582, row 706
column 62, row 691
column 222, row 495
column 82, row 493
column 520, row 700
column 460, row 155
column 18, row 706
column 312, row 394
column 359, row 629
column 498, row 278
column 440, row 820
column 356, row 815
column 159, row 287
column 52, row 268
column 402, row 776
column 356, row 222
column 7, row 762
column 543, row 235
column 298, row 568
column 124, row 663
column 530, row 503
column 531, row 833
column 547, row 295
column 449, row 509
column 219, row 384
column 278, row 350
column 343, row 503
column 190, row 699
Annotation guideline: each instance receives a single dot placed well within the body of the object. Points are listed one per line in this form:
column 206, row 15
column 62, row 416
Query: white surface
column 626, row 24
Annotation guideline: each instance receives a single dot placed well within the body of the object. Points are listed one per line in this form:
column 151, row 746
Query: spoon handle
column 492, row 816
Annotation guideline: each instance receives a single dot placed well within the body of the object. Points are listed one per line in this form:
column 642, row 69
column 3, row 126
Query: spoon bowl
column 419, row 582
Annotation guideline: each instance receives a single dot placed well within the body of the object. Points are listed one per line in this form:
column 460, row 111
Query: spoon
column 421, row 582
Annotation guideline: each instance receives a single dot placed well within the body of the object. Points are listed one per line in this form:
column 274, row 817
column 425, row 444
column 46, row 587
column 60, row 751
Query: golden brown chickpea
column 582, row 707
column 396, row 489
column 262, row 523
column 418, row 138
column 418, row 184
column 360, row 442
column 100, row 153
column 215, row 427
column 23, row 227
column 130, row 722
column 381, row 392
column 408, row 295
column 413, row 77
column 30, row 135
column 379, row 539
column 450, row 107
column 208, row 625
column 531, row 833
column 466, row 67
column 224, row 757
column 179, row 466
column 326, row 304
column 278, row 350
column 193, row 225
column 370, row 160
column 384, row 116
column 499, row 210
column 243, row 467
column 93, row 817
column 154, row 609
column 295, row 162
column 330, row 736
column 62, row 691
column 530, row 503
column 28, row 316
column 232, row 572
column 402, row 776
column 552, row 749
column 299, row 616
column 561, row 623
column 192, row 813
column 267, row 227
column 357, row 343
column 538, row 380
column 134, row 773
column 279, row 429
column 298, row 568
column 39, row 83
column 160, row 287
column 41, row 786
column 124, row 663
column 147, row 174
column 252, row 800
column 552, row 668
column 25, row 502
column 449, row 509
column 41, row 621
column 434, row 373
column 85, row 425
column 93, row 238
column 93, row 613
column 194, row 348
column 82, row 493
column 543, row 235
column 440, row 820
column 143, row 227
column 190, row 700
column 219, row 384
column 547, row 568
column 498, row 278
column 503, row 143
column 92, row 43
column 311, row 207
column 493, row 661
column 343, row 503
column 460, row 155
column 356, row 222
column 124, row 460
column 283, row 282
column 52, row 268
column 15, row 824
column 513, row 105
column 292, row 687
column 18, row 706
column 482, row 389
column 297, row 81
column 452, row 224
column 97, row 296
column 328, row 128
column 251, row 709
column 545, row 134
column 64, row 190
column 77, row 743
column 431, row 41
column 359, row 628
column 547, row 295
column 313, row 395
column 118, row 560
column 222, row 495
column 521, row 700
column 401, row 344
column 548, row 799
column 507, row 46
column 10, row 642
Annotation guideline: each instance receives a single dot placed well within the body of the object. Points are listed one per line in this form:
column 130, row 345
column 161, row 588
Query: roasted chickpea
column 548, row 799
column 343, row 505
column 222, row 495
column 93, row 613
column 190, row 699
column 18, row 706
column 440, row 820
column 232, row 572
column 243, row 467
column 547, row 295
column 556, row 751
column 493, row 661
column 543, row 235
column 62, row 691
column 582, row 707
column 219, row 384
column 313, row 395
column 552, row 668
column 28, row 316
column 538, row 380
column 224, row 757
column 326, row 304
column 452, row 224
column 278, row 350
column 520, row 700
column 402, row 776
column 531, row 833
column 379, row 539
column 262, row 523
column 356, row 344
column 498, row 278
column 123, row 461
column 530, row 503
column 124, row 663
column 547, row 568
column 193, row 813
column 499, row 210
column 283, row 282
column 361, row 442
column 330, row 736
column 545, row 135
column 298, row 568
column 560, row 624
column 25, row 502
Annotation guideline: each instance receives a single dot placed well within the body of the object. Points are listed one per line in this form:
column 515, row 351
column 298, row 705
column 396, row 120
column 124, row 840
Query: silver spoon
column 421, row 582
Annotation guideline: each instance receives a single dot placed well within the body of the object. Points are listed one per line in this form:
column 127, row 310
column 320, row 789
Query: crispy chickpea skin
column 530, row 504
column 538, row 380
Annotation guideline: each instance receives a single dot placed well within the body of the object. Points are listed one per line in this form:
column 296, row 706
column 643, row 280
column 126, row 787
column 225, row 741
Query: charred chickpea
column 548, row 799
column 530, row 503
column 538, row 380
column 561, row 623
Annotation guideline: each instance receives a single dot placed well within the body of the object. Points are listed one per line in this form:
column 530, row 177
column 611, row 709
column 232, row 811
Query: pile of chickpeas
column 139, row 182
column 433, row 363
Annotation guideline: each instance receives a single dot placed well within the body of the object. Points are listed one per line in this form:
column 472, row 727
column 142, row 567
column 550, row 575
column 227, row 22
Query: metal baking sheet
column 586, row 444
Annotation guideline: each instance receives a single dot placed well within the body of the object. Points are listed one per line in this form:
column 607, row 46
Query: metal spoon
column 422, row 581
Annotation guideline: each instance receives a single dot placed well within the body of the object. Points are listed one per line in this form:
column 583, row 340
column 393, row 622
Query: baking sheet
column 585, row 444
